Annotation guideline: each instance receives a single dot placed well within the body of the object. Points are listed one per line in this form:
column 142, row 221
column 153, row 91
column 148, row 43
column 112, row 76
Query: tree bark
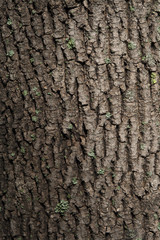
column 80, row 116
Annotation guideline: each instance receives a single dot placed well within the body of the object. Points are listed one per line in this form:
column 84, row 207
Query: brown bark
column 80, row 120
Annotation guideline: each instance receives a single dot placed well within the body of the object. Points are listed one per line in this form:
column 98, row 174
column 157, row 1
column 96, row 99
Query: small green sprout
column 92, row 154
column 107, row 61
column 153, row 78
column 149, row 174
column 31, row 60
column 33, row 11
column 70, row 43
column 49, row 93
column 34, row 89
column 33, row 136
column 132, row 46
column 48, row 167
column 69, row 196
column 144, row 123
column 34, row 118
column 113, row 202
column 144, row 58
column 9, row 22
column 38, row 94
column 113, row 175
column 25, row 92
column 70, row 126
column 23, row 150
column 36, row 179
column 74, row 180
column 132, row 9
column 155, row 216
column 37, row 111
column 10, row 53
column 142, row 146
column 108, row 115
column 100, row 172
column 159, row 226
column 61, row 207
column 12, row 154
column 118, row 188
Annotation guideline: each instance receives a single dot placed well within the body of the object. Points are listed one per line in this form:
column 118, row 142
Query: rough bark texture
column 80, row 119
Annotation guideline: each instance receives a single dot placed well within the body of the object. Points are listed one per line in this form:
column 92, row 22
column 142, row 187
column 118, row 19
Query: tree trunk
column 80, row 108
